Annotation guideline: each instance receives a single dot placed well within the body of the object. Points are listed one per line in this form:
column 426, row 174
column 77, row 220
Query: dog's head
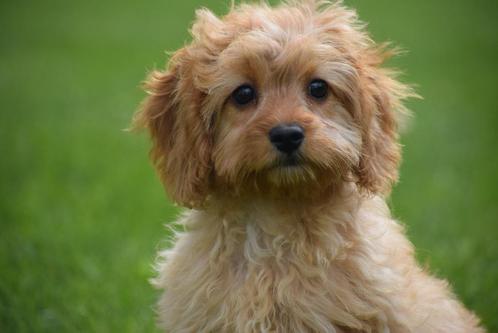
column 286, row 99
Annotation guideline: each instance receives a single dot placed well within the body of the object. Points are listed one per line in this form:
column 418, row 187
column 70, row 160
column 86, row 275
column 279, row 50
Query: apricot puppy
column 278, row 128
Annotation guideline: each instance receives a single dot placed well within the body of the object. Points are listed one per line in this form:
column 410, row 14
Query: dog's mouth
column 289, row 161
column 291, row 170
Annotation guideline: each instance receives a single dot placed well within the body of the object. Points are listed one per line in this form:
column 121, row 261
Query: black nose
column 287, row 138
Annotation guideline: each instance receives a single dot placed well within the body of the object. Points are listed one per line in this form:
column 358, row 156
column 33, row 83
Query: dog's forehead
column 281, row 48
column 275, row 52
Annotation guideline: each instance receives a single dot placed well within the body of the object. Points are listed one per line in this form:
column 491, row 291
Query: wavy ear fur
column 381, row 97
column 181, row 149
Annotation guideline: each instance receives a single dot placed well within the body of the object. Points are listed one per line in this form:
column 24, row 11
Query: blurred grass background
column 82, row 213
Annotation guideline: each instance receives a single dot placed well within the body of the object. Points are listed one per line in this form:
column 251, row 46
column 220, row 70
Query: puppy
column 278, row 128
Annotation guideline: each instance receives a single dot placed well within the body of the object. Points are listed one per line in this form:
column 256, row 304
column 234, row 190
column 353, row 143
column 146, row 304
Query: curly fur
column 271, row 248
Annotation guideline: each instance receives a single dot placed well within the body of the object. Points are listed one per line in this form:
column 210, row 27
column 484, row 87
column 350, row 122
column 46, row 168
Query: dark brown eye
column 318, row 89
column 244, row 95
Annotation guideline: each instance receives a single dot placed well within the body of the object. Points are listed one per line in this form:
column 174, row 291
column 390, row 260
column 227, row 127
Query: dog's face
column 281, row 121
column 284, row 100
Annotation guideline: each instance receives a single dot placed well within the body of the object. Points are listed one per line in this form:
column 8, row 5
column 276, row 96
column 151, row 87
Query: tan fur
column 270, row 248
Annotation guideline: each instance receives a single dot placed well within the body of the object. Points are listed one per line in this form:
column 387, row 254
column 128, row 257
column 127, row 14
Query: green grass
column 82, row 213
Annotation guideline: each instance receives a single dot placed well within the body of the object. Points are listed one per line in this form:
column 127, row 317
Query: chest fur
column 305, row 275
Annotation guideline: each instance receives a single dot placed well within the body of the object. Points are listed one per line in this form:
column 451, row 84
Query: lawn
column 81, row 210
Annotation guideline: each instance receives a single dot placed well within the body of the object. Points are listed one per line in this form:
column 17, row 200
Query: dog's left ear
column 381, row 97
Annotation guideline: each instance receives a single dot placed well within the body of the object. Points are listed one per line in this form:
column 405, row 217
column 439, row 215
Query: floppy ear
column 181, row 147
column 381, row 105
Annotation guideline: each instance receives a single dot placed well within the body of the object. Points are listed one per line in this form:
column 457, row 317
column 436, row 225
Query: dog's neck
column 280, row 216
column 240, row 232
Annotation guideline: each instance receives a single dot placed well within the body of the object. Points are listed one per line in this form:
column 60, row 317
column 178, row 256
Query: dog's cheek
column 334, row 143
column 239, row 153
column 226, row 154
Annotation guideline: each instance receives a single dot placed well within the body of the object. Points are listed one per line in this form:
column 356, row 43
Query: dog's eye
column 244, row 95
column 318, row 89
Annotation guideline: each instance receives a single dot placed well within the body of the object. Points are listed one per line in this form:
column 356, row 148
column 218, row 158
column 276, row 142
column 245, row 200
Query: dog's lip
column 289, row 161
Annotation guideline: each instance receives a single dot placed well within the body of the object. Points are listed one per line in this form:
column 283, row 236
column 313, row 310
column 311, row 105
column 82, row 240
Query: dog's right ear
column 181, row 147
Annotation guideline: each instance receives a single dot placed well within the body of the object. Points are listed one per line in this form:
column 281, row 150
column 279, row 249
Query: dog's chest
column 295, row 282
column 262, row 276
